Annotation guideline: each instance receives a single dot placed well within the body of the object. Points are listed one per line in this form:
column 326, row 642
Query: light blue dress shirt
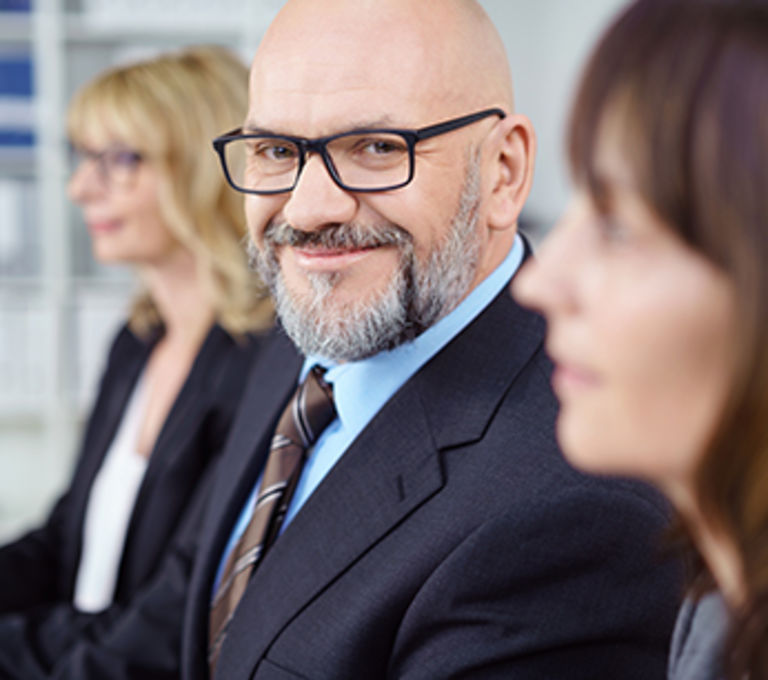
column 361, row 388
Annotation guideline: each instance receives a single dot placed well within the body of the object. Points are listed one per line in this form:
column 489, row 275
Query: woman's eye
column 124, row 158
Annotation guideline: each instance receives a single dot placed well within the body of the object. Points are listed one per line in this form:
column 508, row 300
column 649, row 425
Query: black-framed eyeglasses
column 116, row 166
column 363, row 160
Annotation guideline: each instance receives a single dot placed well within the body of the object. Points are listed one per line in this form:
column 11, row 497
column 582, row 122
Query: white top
column 109, row 510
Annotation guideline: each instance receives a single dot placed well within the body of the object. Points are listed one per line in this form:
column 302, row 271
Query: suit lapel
column 193, row 400
column 468, row 379
column 175, row 442
column 271, row 382
column 323, row 539
column 389, row 471
column 126, row 362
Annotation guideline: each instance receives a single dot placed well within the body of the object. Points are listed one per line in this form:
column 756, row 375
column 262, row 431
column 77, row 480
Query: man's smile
column 319, row 258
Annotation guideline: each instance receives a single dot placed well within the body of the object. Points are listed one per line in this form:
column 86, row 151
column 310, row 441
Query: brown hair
column 685, row 84
column 169, row 108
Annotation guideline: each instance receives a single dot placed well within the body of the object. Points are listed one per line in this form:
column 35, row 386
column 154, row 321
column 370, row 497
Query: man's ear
column 514, row 149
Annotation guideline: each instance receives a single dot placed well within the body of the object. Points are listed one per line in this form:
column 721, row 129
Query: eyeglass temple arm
column 447, row 126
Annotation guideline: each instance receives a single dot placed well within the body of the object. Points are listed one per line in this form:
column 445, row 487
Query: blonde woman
column 153, row 198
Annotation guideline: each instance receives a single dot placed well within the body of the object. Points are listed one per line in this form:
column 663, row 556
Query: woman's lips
column 569, row 377
column 103, row 226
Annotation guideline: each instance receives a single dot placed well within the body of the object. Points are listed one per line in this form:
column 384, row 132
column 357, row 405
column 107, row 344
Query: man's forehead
column 327, row 65
column 258, row 122
column 346, row 60
column 334, row 94
column 376, row 24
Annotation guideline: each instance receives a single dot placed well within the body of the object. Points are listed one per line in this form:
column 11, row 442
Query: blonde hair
column 169, row 108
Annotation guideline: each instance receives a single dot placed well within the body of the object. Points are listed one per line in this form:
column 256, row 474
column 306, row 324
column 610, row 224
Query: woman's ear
column 511, row 161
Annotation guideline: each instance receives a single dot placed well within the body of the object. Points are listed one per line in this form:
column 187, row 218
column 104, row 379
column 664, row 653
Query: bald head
column 429, row 57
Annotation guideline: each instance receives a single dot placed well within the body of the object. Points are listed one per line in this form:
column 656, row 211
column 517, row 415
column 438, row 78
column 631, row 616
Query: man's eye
column 378, row 146
column 275, row 151
column 381, row 147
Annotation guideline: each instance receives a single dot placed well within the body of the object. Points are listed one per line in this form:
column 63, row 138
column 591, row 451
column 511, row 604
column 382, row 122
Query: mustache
column 343, row 235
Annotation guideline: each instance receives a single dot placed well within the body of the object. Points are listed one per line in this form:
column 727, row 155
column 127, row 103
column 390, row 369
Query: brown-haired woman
column 655, row 288
column 153, row 198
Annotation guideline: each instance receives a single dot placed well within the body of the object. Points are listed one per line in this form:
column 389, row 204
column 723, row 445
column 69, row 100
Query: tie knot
column 311, row 410
column 317, row 373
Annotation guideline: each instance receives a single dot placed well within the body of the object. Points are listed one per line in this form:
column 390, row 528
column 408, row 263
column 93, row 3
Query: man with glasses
column 431, row 528
column 406, row 513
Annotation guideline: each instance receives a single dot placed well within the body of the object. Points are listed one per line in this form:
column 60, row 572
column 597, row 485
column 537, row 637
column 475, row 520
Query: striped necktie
column 308, row 413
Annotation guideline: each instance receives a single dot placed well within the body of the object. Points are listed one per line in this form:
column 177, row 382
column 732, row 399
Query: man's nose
column 317, row 200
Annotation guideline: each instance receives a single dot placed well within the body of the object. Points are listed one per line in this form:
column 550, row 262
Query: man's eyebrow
column 251, row 127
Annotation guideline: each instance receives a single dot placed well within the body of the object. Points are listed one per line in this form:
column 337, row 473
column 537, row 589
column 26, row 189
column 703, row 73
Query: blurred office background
column 58, row 309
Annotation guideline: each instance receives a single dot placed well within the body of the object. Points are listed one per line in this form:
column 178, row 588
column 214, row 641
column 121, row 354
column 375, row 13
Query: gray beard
column 417, row 295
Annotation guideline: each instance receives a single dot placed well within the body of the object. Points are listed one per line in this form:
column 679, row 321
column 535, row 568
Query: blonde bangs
column 116, row 108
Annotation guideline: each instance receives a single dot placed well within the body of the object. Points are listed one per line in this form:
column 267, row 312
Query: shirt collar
column 362, row 387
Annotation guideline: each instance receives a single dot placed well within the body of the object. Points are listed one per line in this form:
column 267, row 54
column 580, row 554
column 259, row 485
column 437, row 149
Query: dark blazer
column 450, row 540
column 39, row 569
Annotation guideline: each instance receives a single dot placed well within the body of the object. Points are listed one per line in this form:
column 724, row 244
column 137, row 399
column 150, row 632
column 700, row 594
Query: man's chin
column 332, row 294
column 341, row 325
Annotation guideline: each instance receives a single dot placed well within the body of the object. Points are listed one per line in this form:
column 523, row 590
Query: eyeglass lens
column 115, row 166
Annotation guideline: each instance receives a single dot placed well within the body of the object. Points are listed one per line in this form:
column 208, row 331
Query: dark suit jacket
column 450, row 540
column 38, row 571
